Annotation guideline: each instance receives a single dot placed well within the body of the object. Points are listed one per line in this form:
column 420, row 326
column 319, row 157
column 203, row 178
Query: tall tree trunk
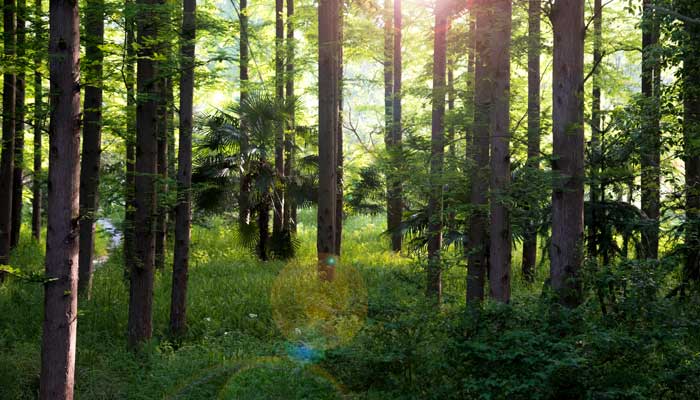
column 244, row 210
column 92, row 136
column 339, row 142
column 534, row 51
column 437, row 155
column 20, row 85
column 691, row 131
column 497, row 61
column 395, row 203
column 651, row 150
column 596, row 196
column 290, row 206
column 172, row 154
column 130, row 137
column 7, row 156
column 140, row 326
column 38, row 121
column 567, row 199
column 389, row 110
column 61, row 288
column 478, row 244
column 278, row 196
column 329, row 113
column 161, row 230
column 183, row 211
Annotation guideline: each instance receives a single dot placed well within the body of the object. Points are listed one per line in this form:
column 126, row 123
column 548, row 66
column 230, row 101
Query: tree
column 329, row 114
column 162, row 142
column 7, row 157
column 290, row 207
column 38, row 120
column 651, row 149
column 497, row 62
column 20, row 93
column 61, row 285
column 567, row 165
column 437, row 153
column 130, row 136
column 597, row 195
column 278, row 197
column 92, row 138
column 244, row 197
column 140, row 326
column 534, row 50
column 183, row 212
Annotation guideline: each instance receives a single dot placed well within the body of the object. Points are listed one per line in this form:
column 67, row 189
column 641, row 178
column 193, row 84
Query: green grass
column 405, row 350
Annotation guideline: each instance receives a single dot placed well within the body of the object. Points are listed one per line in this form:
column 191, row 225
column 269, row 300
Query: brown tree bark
column 161, row 229
column 244, row 211
column 567, row 199
column 395, row 193
column 61, row 290
column 534, row 50
column 651, row 151
column 7, row 157
column 478, row 243
column 329, row 112
column 437, row 154
column 339, row 154
column 20, row 85
column 497, row 61
column 140, row 325
column 183, row 212
column 278, row 195
column 92, row 138
column 596, row 194
column 290, row 207
column 130, row 137
column 38, row 122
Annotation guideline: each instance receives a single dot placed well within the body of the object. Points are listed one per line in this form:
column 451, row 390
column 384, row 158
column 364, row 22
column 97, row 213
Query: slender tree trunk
column 92, row 136
column 339, row 154
column 651, row 151
column 38, row 122
column 395, row 203
column 161, row 230
column 18, row 178
column 389, row 33
column 497, row 60
column 290, row 207
column 183, row 212
column 7, row 156
column 534, row 51
column 329, row 113
column 478, row 245
column 437, row 155
column 172, row 154
column 130, row 137
column 278, row 196
column 596, row 129
column 140, row 326
column 567, row 165
column 244, row 195
column 61, row 289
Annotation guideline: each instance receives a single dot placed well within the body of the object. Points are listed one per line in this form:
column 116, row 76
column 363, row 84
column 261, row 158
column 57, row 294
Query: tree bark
column 278, row 195
column 92, row 138
column 651, row 151
column 38, row 122
column 596, row 195
column 7, row 157
column 567, row 165
column 244, row 211
column 290, row 207
column 161, row 230
column 130, row 137
column 329, row 92
column 395, row 193
column 437, row 155
column 497, row 60
column 20, row 85
column 534, row 51
column 183, row 212
column 61, row 290
column 339, row 154
column 140, row 325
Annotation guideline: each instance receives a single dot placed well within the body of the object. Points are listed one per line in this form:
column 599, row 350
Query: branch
column 676, row 15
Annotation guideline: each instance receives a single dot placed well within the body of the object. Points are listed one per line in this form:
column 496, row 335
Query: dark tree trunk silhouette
column 478, row 244
column 278, row 196
column 290, row 207
column 339, row 154
column 651, row 149
column 388, row 81
column 395, row 192
column 38, row 122
column 130, row 137
column 20, row 85
column 244, row 211
column 533, row 127
column 437, row 155
column 329, row 114
column 596, row 194
column 497, row 61
column 7, row 157
column 183, row 211
column 61, row 291
column 161, row 230
column 92, row 138
column 140, row 326
column 567, row 199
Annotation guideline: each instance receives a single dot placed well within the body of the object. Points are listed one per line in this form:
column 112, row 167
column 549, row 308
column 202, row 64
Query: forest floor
column 399, row 347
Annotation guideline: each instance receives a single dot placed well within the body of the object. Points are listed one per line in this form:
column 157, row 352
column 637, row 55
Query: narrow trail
column 115, row 240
